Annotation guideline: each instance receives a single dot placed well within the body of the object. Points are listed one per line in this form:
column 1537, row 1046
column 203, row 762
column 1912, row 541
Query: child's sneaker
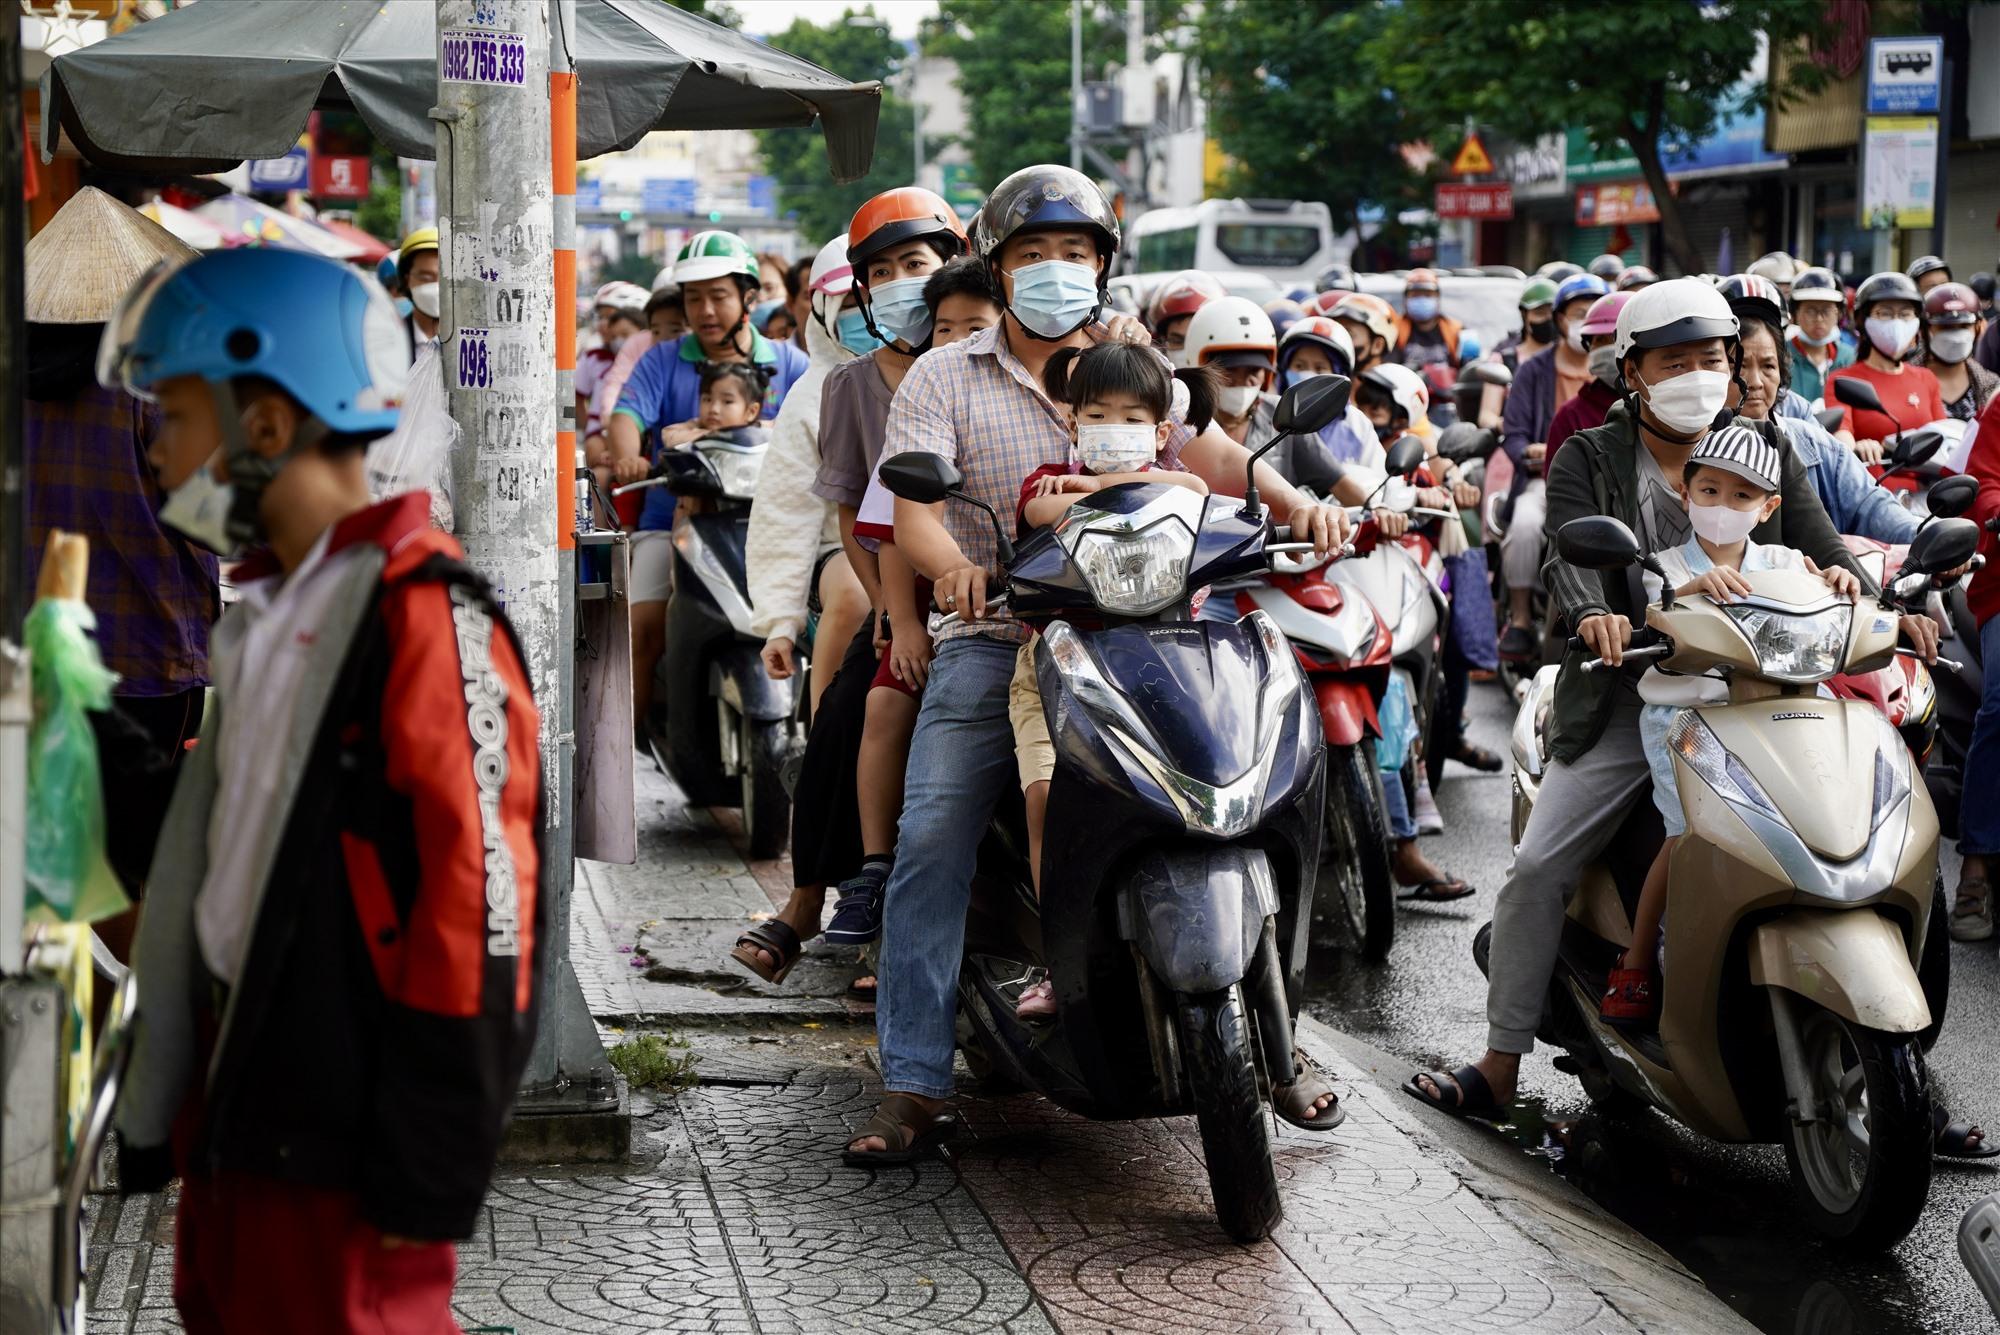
column 1632, row 1000
column 857, row 917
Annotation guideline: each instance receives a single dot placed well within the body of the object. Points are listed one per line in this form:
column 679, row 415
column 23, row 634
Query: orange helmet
column 1375, row 315
column 895, row 216
column 1182, row 294
column 1421, row 280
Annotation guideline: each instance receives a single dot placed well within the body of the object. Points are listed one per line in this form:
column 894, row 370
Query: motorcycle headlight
column 1692, row 740
column 736, row 470
column 1135, row 573
column 1795, row 648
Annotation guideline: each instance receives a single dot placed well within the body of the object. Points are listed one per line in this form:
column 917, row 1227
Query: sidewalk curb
column 1637, row 1278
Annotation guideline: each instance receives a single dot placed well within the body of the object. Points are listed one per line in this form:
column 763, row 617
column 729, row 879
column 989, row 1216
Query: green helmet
column 716, row 255
column 1537, row 292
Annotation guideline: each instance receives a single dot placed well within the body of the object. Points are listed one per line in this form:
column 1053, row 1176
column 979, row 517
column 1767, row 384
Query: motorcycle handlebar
column 1950, row 664
column 953, row 618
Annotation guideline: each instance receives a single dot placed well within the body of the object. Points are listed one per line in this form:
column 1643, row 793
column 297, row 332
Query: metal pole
column 1940, row 202
column 1076, row 84
column 13, row 334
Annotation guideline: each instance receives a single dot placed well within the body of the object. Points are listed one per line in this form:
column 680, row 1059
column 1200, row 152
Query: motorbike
column 1799, row 899
column 1183, row 823
column 719, row 726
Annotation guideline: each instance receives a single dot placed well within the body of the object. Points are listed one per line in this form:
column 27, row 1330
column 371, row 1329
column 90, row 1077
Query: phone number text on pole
column 486, row 57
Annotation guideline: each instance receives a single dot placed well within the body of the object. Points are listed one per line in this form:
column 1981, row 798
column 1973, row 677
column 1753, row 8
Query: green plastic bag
column 68, row 877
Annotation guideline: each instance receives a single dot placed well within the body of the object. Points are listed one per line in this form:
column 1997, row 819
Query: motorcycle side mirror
column 1462, row 442
column 919, row 475
column 1597, row 542
column 1312, row 405
column 1944, row 545
column 1486, row 373
column 1857, row 393
column 1951, row 497
column 1915, row 448
column 1829, row 419
column 1405, row 456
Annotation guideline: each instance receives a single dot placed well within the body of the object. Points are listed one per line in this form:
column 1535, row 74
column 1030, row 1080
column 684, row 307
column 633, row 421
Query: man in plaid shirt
column 1050, row 237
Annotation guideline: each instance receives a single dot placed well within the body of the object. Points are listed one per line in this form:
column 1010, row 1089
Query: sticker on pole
column 475, row 363
column 486, row 57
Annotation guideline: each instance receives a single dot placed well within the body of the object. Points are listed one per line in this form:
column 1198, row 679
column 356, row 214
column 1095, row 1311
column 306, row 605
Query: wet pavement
column 1724, row 1211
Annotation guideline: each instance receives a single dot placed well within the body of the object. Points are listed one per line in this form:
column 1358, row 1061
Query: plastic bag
column 416, row 456
column 68, row 877
column 1399, row 725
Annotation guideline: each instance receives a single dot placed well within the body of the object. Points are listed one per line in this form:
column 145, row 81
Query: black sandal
column 774, row 938
column 862, row 995
column 1954, row 1138
column 1477, row 757
column 1474, row 1096
column 1437, row 890
column 1291, row 1102
column 909, row 1132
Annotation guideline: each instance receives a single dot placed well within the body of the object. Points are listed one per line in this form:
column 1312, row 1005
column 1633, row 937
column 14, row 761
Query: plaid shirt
column 153, row 592
column 974, row 403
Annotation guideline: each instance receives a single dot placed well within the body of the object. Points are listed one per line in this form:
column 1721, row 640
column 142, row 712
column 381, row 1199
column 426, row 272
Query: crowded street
column 1015, row 665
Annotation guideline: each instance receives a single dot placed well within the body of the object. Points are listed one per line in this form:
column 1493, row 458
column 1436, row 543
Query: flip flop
column 774, row 937
column 864, row 995
column 1437, row 890
column 1953, row 1138
column 908, row 1131
column 1475, row 1096
column 1291, row 1101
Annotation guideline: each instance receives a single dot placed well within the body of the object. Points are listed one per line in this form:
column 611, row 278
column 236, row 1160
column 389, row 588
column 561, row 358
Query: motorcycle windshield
column 1196, row 687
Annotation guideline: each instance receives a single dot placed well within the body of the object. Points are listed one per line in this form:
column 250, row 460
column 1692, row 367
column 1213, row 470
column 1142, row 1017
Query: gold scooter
column 1797, row 902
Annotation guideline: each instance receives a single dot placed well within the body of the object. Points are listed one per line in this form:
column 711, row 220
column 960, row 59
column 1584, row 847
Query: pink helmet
column 1602, row 317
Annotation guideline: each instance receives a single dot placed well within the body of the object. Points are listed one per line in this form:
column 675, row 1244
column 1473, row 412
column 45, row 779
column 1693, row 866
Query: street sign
column 1485, row 202
column 291, row 172
column 671, row 195
column 589, row 194
column 1905, row 75
column 1472, row 159
column 340, row 176
column 763, row 192
column 1614, row 203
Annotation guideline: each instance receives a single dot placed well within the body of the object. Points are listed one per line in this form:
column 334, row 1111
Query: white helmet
column 664, row 281
column 1680, row 310
column 831, row 276
column 1231, row 331
column 625, row 298
column 1405, row 386
column 1776, row 266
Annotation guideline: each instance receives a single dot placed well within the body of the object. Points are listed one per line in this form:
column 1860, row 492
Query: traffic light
column 624, row 215
column 715, row 215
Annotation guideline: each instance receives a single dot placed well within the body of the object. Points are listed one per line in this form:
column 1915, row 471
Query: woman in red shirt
column 1885, row 308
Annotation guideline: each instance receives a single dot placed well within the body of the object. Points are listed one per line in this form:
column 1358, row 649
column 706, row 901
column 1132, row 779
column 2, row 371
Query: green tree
column 381, row 214
column 857, row 47
column 1627, row 74
column 1279, row 106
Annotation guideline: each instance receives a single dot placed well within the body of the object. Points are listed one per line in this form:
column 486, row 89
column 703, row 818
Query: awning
column 203, row 88
column 247, row 222
column 372, row 248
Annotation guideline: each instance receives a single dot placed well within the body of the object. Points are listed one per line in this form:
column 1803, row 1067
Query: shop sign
column 1488, row 203
column 1615, row 203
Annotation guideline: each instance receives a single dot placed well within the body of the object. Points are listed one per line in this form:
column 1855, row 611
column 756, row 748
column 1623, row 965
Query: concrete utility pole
column 512, row 472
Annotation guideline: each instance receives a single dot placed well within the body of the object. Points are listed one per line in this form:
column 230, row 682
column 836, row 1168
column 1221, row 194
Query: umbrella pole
column 512, row 475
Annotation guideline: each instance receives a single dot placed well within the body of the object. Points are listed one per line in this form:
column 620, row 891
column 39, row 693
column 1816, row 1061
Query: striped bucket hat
column 1738, row 449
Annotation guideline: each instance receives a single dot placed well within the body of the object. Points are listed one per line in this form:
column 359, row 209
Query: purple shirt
column 154, row 592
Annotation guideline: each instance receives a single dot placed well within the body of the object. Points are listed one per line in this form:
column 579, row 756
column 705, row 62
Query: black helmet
column 1557, row 270
column 1607, row 267
column 1335, row 277
column 1982, row 284
column 1885, row 286
column 1927, row 264
column 1818, row 284
column 1040, row 199
column 1754, row 297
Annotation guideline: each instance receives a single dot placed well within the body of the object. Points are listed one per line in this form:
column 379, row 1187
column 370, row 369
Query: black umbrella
column 203, row 88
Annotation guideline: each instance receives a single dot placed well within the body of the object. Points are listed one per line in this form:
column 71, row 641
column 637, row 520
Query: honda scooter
column 1798, row 899
column 719, row 725
column 1183, row 823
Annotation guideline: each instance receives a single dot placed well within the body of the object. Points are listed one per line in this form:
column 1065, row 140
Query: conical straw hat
column 89, row 254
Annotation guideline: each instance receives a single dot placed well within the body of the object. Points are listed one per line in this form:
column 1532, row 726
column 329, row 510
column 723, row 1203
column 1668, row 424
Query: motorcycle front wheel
column 1229, row 1109
column 1354, row 857
column 1862, row 1168
column 767, row 809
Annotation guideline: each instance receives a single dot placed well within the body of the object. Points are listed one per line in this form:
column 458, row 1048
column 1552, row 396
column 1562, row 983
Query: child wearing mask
column 1120, row 398
column 1730, row 486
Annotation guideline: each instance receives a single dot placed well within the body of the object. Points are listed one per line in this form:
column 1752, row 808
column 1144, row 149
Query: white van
column 1289, row 241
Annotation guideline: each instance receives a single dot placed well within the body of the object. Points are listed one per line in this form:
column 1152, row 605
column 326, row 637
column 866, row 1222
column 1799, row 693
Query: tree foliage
column 1290, row 101
column 856, row 51
column 1627, row 74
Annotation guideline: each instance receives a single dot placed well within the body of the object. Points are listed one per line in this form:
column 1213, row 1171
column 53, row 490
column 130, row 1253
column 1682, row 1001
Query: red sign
column 340, row 176
column 1614, row 204
column 1490, row 202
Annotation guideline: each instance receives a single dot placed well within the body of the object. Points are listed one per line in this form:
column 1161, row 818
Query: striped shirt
column 975, row 403
column 153, row 592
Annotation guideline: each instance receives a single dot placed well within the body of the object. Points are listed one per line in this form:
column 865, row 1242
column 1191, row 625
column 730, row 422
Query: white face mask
column 1179, row 357
column 1891, row 337
column 1116, row 447
column 1574, row 336
column 199, row 508
column 424, row 296
column 1689, row 401
column 1722, row 524
column 1235, row 400
column 1951, row 345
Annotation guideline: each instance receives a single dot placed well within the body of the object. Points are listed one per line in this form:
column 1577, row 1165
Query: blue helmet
column 385, row 272
column 1579, row 286
column 324, row 333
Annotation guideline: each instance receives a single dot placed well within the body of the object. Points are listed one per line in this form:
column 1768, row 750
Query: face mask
column 1812, row 342
column 855, row 335
column 199, row 508
column 1300, row 377
column 1055, row 298
column 1115, row 447
column 1179, row 357
column 1421, row 308
column 1235, row 400
column 1604, row 365
column 1690, row 401
column 1951, row 345
column 900, row 312
column 1574, row 337
column 424, row 296
column 1542, row 331
column 1891, row 337
column 1385, row 434
column 1721, row 524
column 403, row 308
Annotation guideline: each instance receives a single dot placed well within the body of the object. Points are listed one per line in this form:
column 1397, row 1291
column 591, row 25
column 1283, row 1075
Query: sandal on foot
column 1477, row 757
column 1972, row 911
column 1954, row 1140
column 1461, row 1093
column 775, row 939
column 1437, row 890
column 905, row 1128
column 1037, row 1001
column 1298, row 1101
column 865, row 994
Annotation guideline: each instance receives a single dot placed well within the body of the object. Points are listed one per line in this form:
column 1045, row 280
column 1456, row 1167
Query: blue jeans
column 961, row 761
column 1396, row 806
column 1978, row 813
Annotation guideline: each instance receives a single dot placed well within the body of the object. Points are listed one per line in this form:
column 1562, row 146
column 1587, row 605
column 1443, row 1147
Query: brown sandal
column 774, row 938
column 1293, row 1102
column 909, row 1132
